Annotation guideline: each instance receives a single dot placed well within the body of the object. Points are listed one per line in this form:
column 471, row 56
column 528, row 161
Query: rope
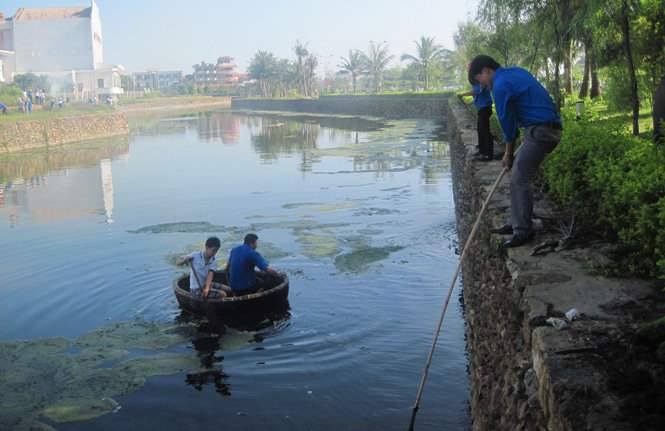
column 450, row 291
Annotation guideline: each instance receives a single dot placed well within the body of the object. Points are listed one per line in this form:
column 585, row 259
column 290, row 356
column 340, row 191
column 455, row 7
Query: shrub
column 615, row 182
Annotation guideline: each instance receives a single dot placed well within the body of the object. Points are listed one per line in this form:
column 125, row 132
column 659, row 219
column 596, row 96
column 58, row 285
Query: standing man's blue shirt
column 483, row 98
column 520, row 101
column 243, row 259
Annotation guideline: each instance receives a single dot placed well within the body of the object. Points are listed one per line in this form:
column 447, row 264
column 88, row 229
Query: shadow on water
column 235, row 333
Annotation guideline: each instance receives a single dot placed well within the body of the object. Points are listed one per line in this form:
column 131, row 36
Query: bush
column 615, row 182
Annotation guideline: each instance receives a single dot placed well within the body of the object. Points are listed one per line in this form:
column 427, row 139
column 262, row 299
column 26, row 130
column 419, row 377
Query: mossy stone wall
column 24, row 135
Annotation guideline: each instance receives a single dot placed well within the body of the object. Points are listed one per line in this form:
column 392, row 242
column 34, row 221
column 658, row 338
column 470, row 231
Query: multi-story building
column 63, row 43
column 223, row 73
column 155, row 79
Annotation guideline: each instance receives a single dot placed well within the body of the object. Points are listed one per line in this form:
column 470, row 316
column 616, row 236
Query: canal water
column 359, row 212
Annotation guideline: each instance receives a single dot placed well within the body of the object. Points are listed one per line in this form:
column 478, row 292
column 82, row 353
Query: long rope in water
column 450, row 291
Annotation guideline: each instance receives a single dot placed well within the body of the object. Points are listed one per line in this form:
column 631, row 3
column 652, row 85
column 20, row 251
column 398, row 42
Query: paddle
column 212, row 317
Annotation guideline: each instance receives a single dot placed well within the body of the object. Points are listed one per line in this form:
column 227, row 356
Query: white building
column 64, row 43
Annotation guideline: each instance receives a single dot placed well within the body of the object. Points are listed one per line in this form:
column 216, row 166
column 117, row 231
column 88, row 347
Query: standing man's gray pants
column 539, row 141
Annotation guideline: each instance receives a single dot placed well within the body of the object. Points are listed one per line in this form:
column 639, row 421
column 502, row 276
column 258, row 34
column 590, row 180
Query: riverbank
column 174, row 103
column 24, row 132
column 596, row 372
column 27, row 134
column 398, row 107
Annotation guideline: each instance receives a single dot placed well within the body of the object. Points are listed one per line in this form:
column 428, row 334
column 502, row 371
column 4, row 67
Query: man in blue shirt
column 242, row 261
column 520, row 102
column 482, row 100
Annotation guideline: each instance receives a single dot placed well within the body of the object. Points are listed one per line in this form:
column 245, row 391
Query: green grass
column 73, row 109
column 645, row 120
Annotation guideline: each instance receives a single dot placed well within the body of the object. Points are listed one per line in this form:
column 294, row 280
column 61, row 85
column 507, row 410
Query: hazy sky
column 176, row 34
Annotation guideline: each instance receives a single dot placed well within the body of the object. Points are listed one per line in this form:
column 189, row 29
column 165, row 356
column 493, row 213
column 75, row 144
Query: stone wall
column 373, row 106
column 173, row 103
column 526, row 374
column 23, row 135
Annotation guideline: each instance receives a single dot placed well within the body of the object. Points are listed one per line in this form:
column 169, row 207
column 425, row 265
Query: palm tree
column 376, row 62
column 427, row 52
column 301, row 54
column 353, row 65
column 262, row 68
column 310, row 67
column 285, row 75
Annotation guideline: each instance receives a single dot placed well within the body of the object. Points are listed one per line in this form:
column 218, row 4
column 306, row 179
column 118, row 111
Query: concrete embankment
column 25, row 135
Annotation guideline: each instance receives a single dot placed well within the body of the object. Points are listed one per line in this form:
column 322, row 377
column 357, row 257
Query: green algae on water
column 66, row 380
column 359, row 260
column 79, row 409
column 318, row 247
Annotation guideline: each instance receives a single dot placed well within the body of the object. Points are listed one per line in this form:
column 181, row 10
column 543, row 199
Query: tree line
column 276, row 77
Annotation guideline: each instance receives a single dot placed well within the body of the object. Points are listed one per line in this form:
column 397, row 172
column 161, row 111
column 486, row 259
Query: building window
column 100, row 83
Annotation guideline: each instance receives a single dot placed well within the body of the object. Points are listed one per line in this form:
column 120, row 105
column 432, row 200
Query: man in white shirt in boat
column 205, row 264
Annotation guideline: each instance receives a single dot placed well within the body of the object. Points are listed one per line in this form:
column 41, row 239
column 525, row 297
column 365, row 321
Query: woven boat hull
column 275, row 297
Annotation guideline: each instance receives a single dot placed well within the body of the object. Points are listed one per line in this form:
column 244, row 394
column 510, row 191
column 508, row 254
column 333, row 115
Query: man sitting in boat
column 242, row 261
column 203, row 265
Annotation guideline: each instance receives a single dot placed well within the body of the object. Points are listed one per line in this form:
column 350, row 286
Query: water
column 359, row 213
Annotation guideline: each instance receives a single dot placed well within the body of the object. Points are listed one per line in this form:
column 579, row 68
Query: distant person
column 242, row 261
column 60, row 102
column 4, row 108
column 91, row 100
column 29, row 102
column 482, row 100
column 520, row 101
column 52, row 103
column 20, row 106
column 205, row 264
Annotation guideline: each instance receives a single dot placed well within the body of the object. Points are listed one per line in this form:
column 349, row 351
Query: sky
column 177, row 34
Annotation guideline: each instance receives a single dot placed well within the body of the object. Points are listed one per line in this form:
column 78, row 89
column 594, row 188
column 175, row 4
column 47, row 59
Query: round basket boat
column 274, row 297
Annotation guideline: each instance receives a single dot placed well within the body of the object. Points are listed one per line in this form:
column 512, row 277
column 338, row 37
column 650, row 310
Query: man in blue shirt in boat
column 520, row 101
column 204, row 264
column 242, row 261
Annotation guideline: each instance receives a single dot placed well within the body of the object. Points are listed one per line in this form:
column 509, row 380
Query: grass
column 645, row 120
column 73, row 109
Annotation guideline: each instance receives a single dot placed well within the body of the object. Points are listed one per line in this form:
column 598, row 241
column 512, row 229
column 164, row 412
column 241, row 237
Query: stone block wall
column 387, row 107
column 526, row 374
column 23, row 135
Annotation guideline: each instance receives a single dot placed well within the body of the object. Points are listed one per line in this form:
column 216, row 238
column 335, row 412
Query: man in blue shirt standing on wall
column 242, row 261
column 520, row 101
column 482, row 100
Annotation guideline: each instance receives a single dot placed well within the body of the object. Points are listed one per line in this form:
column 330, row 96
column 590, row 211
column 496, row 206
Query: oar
column 212, row 317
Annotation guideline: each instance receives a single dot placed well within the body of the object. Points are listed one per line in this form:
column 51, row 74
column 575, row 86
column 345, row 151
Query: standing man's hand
column 509, row 156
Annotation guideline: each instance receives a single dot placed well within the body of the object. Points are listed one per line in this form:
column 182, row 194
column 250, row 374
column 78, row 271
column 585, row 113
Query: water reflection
column 47, row 187
column 236, row 333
